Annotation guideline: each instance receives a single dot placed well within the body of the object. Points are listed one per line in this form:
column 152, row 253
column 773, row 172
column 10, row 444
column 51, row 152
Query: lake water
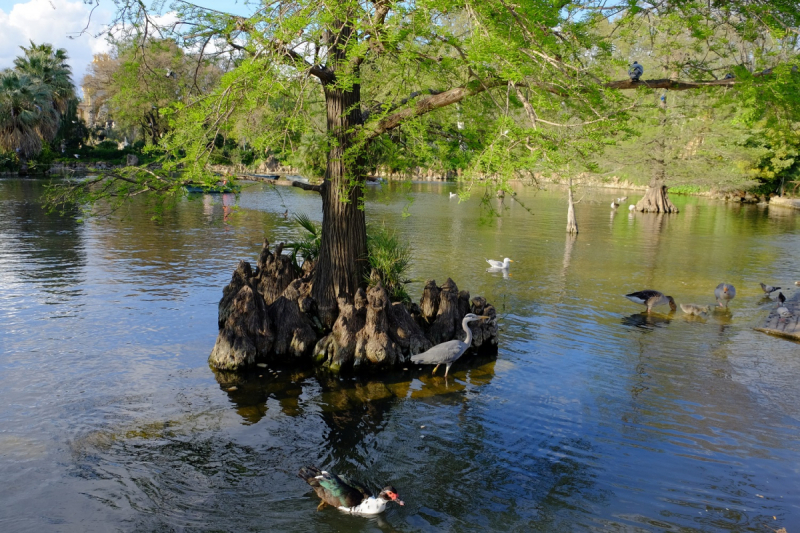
column 593, row 417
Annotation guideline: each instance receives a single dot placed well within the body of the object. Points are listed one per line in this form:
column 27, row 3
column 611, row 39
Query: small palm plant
column 309, row 245
column 390, row 258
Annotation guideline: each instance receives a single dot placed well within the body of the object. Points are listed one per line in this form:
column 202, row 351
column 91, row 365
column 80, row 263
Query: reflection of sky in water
column 593, row 416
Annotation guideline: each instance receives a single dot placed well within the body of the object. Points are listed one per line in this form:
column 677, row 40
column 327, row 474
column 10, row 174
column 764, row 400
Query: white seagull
column 499, row 264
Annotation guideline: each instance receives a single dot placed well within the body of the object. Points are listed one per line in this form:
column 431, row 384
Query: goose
column 725, row 292
column 614, row 205
column 631, row 207
column 694, row 309
column 499, row 264
column 346, row 494
column 621, row 199
column 651, row 298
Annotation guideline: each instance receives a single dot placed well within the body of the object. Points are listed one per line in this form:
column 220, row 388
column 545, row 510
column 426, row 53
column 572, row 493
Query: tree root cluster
column 656, row 200
column 269, row 315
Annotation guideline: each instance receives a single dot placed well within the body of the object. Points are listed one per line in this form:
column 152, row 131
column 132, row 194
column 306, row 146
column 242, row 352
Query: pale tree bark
column 572, row 222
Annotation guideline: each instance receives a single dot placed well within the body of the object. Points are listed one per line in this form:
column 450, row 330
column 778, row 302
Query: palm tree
column 48, row 67
column 27, row 115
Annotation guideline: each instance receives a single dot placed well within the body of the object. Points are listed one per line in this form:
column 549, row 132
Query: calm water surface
column 592, row 417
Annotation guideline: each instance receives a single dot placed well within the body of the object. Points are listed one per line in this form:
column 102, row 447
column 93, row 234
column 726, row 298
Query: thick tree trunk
column 343, row 253
column 656, row 200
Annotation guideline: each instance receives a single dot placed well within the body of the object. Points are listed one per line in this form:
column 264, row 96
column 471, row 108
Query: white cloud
column 57, row 22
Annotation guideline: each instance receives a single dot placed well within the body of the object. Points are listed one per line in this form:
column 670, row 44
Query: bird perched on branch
column 652, row 298
column 448, row 352
column 725, row 292
column 768, row 289
column 636, row 71
column 346, row 494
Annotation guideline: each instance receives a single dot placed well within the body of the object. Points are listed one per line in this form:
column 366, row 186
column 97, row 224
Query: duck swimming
column 346, row 494
column 651, row 298
column 499, row 264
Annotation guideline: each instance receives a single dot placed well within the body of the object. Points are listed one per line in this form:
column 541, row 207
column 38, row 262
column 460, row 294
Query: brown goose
column 651, row 298
column 694, row 309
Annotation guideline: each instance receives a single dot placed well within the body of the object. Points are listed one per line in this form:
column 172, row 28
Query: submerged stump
column 269, row 315
column 656, row 200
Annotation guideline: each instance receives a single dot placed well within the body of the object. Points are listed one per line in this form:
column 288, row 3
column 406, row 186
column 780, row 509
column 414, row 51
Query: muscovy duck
column 346, row 494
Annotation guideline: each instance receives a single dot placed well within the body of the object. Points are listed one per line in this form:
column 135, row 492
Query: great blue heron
column 725, row 292
column 346, row 494
column 499, row 264
column 651, row 299
column 448, row 352
column 636, row 71
column 768, row 289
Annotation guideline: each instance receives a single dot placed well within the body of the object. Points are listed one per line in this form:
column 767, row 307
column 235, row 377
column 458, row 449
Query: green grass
column 687, row 189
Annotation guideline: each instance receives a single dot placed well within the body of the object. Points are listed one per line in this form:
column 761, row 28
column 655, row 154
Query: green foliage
column 309, row 244
column 390, row 258
column 387, row 255
column 27, row 115
column 778, row 164
column 34, row 96
column 686, row 189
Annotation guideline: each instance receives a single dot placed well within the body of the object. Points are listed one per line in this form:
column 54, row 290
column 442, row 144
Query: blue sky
column 59, row 22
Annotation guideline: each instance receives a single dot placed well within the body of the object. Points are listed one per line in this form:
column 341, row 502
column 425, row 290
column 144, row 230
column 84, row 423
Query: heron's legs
column 321, row 505
column 446, row 370
column 434, row 370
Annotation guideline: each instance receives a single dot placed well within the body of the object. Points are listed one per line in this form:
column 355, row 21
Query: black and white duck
column 346, row 494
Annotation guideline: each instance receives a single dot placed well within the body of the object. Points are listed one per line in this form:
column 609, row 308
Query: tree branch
column 307, row 186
